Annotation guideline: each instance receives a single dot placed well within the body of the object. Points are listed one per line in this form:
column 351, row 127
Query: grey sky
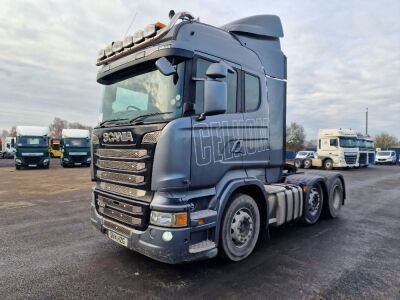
column 343, row 56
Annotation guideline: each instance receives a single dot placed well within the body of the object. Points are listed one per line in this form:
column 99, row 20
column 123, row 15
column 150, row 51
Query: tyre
column 335, row 201
column 17, row 167
column 240, row 228
column 298, row 163
column 63, row 165
column 328, row 164
column 46, row 166
column 313, row 203
column 307, row 163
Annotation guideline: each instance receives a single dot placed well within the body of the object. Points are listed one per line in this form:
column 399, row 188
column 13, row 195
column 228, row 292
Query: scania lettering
column 189, row 156
column 75, row 148
column 32, row 147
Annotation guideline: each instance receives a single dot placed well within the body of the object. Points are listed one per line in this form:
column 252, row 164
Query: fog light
column 167, row 236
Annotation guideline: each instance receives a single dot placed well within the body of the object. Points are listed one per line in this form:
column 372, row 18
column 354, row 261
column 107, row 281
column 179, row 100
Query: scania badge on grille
column 117, row 136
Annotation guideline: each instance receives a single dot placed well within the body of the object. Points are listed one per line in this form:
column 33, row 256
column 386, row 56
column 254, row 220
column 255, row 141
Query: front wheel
column 328, row 164
column 240, row 228
column 298, row 163
column 17, row 167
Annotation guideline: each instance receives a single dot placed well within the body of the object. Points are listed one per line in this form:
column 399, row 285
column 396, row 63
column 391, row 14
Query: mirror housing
column 12, row 143
column 215, row 90
column 165, row 67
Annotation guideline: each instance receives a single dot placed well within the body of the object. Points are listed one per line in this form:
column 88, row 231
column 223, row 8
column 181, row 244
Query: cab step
column 202, row 246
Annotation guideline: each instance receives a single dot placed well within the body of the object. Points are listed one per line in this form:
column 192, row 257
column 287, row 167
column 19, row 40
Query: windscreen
column 302, row 153
column 77, row 142
column 383, row 153
column 348, row 142
column 32, row 141
column 150, row 92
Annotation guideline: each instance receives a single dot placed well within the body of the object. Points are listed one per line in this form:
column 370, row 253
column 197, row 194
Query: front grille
column 350, row 159
column 120, row 178
column 120, row 216
column 32, row 160
column 121, row 229
column 120, row 189
column 104, row 201
column 120, row 165
column 121, row 153
column 78, row 158
column 363, row 158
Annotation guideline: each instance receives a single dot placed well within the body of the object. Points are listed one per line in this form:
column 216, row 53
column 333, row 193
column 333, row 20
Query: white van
column 385, row 157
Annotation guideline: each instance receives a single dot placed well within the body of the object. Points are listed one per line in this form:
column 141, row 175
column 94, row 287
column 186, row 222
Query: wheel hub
column 242, row 227
column 314, row 202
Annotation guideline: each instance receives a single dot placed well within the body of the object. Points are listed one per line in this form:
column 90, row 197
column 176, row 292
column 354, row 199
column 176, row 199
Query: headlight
column 66, row 159
column 166, row 219
column 88, row 159
column 46, row 160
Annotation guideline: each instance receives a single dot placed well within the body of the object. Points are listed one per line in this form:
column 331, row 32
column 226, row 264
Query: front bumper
column 384, row 161
column 150, row 242
column 32, row 161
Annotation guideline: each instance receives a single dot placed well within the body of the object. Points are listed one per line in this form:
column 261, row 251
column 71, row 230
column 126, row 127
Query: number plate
column 31, row 165
column 77, row 164
column 118, row 238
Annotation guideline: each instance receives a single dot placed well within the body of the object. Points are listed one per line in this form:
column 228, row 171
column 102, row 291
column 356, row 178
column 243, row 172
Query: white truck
column 8, row 147
column 337, row 148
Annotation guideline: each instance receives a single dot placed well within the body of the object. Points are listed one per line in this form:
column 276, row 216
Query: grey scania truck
column 189, row 156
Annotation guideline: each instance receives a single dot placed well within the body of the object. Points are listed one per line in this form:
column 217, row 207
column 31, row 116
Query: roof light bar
column 109, row 50
column 128, row 41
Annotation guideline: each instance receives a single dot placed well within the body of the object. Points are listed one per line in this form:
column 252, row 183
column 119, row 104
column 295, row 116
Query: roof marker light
column 118, row 46
column 128, row 41
column 109, row 50
column 138, row 36
column 101, row 54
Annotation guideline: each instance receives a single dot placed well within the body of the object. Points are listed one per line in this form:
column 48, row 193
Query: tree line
column 55, row 127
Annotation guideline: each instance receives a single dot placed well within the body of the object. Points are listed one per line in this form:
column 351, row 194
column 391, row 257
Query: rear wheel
column 335, row 201
column 240, row 228
column 328, row 164
column 313, row 204
column 298, row 163
column 307, row 163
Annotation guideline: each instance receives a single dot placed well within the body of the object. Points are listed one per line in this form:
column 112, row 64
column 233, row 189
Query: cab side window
column 231, row 80
column 333, row 142
column 251, row 92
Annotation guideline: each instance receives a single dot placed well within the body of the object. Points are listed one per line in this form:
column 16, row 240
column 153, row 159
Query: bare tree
column 57, row 126
column 295, row 137
column 77, row 125
column 385, row 140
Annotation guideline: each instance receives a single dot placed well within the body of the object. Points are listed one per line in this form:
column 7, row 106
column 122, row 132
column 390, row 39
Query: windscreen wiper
column 112, row 120
column 142, row 117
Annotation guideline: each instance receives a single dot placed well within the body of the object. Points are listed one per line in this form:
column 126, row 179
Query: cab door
column 217, row 141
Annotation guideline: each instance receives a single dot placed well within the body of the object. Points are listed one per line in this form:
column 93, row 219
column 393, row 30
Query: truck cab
column 54, row 146
column 75, row 148
column 363, row 157
column 340, row 146
column 9, row 147
column 31, row 147
column 189, row 156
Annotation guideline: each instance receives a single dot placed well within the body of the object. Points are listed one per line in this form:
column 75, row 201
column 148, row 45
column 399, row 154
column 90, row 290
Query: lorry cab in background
column 340, row 146
column 363, row 159
column 55, row 147
column 75, row 148
column 8, row 150
column 32, row 147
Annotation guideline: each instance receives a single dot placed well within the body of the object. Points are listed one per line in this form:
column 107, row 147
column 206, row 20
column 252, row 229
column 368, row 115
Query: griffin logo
column 118, row 136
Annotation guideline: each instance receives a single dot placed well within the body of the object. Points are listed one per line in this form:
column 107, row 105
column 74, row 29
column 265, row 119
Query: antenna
column 130, row 25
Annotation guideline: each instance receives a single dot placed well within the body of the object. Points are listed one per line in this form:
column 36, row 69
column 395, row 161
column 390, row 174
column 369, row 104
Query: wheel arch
column 251, row 187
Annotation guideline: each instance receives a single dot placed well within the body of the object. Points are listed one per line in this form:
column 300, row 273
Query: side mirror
column 12, row 143
column 215, row 90
column 165, row 67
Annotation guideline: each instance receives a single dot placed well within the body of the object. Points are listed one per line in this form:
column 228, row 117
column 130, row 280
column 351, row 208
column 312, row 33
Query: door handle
column 236, row 147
